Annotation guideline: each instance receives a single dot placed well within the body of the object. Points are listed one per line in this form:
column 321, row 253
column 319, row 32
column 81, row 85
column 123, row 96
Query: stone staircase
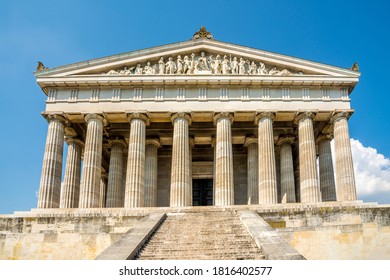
column 201, row 235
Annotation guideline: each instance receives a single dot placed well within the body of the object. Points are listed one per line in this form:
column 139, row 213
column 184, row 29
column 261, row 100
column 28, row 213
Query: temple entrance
column 202, row 192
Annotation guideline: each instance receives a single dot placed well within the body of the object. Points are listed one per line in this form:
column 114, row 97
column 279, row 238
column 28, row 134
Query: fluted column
column 50, row 185
column 115, row 174
column 310, row 189
column 180, row 173
column 71, row 186
column 224, row 185
column 103, row 190
column 267, row 167
column 345, row 176
column 135, row 175
column 151, row 172
column 327, row 182
column 124, row 172
column 192, row 144
column 91, row 173
column 253, row 170
column 297, row 184
column 287, row 181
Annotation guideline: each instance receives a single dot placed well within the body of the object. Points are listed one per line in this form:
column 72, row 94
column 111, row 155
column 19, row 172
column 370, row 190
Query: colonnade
column 139, row 182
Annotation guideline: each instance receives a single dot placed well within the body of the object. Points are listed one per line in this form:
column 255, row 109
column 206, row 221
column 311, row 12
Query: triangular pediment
column 201, row 57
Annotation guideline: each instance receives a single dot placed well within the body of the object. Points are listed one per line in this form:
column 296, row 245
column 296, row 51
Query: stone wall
column 60, row 237
column 330, row 230
column 333, row 233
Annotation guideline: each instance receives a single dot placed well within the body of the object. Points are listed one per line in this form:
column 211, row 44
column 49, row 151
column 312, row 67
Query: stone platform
column 328, row 230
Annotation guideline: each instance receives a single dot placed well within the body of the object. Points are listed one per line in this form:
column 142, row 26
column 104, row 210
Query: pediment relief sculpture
column 202, row 64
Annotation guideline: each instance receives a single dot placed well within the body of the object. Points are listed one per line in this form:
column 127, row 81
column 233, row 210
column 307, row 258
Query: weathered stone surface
column 224, row 184
column 309, row 187
column 129, row 244
column 50, row 185
column 91, row 173
column 345, row 177
column 135, row 176
column 180, row 174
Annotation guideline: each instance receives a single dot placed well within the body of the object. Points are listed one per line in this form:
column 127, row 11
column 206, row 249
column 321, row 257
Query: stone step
column 216, row 235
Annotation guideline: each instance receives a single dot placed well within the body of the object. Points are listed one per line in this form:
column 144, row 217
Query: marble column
column 50, row 185
column 115, row 174
column 151, row 172
column 297, row 184
column 345, row 176
column 180, row 173
column 251, row 143
column 277, row 169
column 310, row 189
column 287, row 181
column 267, row 167
column 71, row 186
column 224, row 184
column 103, row 189
column 327, row 182
column 192, row 144
column 91, row 172
column 124, row 171
column 213, row 144
column 135, row 175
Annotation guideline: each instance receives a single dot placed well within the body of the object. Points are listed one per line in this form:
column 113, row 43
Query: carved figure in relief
column 284, row 72
column 241, row 66
column 161, row 66
column 125, row 71
column 179, row 65
column 138, row 69
column 112, row 72
column 170, row 66
column 216, row 64
column 193, row 63
column 252, row 68
column 234, row 66
column 186, row 65
column 202, row 63
column 274, row 71
column 148, row 70
column 262, row 70
column 225, row 65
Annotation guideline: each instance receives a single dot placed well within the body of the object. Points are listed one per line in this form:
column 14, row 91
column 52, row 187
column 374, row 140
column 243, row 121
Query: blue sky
column 62, row 32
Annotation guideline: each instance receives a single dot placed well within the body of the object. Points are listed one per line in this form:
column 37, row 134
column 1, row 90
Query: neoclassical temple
column 199, row 122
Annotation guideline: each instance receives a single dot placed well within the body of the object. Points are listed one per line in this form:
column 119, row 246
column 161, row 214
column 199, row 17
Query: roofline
column 188, row 43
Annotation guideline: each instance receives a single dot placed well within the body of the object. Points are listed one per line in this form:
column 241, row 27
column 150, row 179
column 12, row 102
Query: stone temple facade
column 197, row 150
column 199, row 122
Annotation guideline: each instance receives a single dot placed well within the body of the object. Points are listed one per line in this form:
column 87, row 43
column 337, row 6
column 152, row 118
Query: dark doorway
column 202, row 192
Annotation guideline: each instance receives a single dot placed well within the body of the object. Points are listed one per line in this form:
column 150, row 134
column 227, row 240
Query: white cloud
column 372, row 173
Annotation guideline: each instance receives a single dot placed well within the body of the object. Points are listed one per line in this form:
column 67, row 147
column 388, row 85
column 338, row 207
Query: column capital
column 75, row 140
column 251, row 140
column 340, row 115
column 92, row 116
column 56, row 117
column 181, row 115
column 285, row 139
column 303, row 116
column 117, row 141
column 227, row 115
column 154, row 141
column 323, row 137
column 262, row 115
column 141, row 116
